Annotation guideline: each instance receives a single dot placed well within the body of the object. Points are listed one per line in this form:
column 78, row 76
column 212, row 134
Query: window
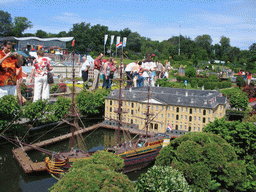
column 162, row 116
column 107, row 108
column 156, row 126
column 132, row 112
column 151, row 126
column 168, row 107
column 195, row 110
column 168, row 114
column 172, row 108
column 128, row 103
column 131, row 121
column 162, row 108
column 114, row 102
column 141, row 113
column 189, row 128
column 220, row 114
column 190, row 111
column 110, row 102
column 177, row 109
column 199, row 118
column 194, row 118
column 194, row 129
column 199, row 110
column 180, row 126
column 152, row 107
column 198, row 129
column 177, row 117
column 128, row 120
column 204, row 120
column 186, row 117
column 110, row 109
column 141, row 122
column 135, row 120
column 209, row 112
column 181, row 109
column 172, row 115
column 185, row 127
column 220, row 107
column 204, row 112
column 181, row 116
column 136, row 104
column 176, row 127
column 190, row 118
column 208, row 119
column 141, row 106
column 186, row 109
column 135, row 111
column 132, row 105
column 156, row 107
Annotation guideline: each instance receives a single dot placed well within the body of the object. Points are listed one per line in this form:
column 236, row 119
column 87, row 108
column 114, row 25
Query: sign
column 117, row 40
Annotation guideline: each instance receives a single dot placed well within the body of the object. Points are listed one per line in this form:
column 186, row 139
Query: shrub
column 200, row 83
column 9, row 110
column 162, row 178
column 54, row 88
column 193, row 83
column 85, row 175
column 35, row 111
column 91, row 103
column 202, row 158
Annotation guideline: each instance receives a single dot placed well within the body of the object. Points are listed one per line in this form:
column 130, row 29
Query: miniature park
column 119, row 139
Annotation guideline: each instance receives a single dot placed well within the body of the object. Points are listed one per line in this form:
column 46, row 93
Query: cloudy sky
column 156, row 19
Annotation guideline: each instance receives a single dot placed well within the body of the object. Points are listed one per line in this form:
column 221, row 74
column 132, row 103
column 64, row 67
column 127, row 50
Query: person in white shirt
column 85, row 70
column 128, row 70
column 149, row 68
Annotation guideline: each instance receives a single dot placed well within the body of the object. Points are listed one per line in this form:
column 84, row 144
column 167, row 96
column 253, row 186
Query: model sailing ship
column 136, row 155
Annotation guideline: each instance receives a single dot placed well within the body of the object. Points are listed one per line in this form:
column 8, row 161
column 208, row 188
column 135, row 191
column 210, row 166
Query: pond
column 13, row 178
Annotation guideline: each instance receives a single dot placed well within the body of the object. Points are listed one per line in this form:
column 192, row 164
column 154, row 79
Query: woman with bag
column 40, row 71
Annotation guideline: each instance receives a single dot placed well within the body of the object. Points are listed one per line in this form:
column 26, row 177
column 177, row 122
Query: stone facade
column 182, row 109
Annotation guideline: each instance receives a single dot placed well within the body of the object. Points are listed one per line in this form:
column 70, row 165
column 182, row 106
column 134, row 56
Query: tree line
column 90, row 39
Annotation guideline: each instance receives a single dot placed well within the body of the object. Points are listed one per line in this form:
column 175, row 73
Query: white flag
column 112, row 39
column 124, row 41
column 105, row 39
column 117, row 40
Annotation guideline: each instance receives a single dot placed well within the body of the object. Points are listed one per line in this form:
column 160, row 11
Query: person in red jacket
column 97, row 67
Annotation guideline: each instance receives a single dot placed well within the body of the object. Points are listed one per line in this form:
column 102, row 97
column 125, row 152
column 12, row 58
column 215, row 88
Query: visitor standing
column 106, row 75
column 159, row 69
column 85, row 69
column 167, row 69
column 139, row 75
column 128, row 71
column 40, row 72
column 97, row 67
column 9, row 63
column 149, row 67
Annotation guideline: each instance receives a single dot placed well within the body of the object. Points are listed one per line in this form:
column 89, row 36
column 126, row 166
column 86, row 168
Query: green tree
column 252, row 47
column 239, row 81
column 20, row 24
column 162, row 178
column 202, row 158
column 85, row 175
column 134, row 42
column 205, row 42
column 92, row 103
column 41, row 34
column 242, row 136
column 239, row 100
column 224, row 43
column 5, row 24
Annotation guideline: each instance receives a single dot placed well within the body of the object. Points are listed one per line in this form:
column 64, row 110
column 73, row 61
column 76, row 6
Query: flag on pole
column 119, row 45
column 117, row 40
column 124, row 41
column 169, row 128
column 105, row 39
column 73, row 43
column 112, row 39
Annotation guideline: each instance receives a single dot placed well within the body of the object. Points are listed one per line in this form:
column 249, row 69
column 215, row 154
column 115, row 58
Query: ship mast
column 119, row 111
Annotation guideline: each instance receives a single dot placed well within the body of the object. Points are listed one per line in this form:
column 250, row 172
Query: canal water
column 13, row 178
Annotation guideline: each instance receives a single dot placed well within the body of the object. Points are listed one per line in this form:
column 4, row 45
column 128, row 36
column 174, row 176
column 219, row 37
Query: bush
column 9, row 110
column 35, row 112
column 200, row 83
column 92, row 103
column 202, row 158
column 59, row 109
column 162, row 178
column 193, row 83
column 54, row 88
column 94, row 175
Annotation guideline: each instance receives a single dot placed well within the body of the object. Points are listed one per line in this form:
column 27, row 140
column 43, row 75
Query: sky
column 155, row 19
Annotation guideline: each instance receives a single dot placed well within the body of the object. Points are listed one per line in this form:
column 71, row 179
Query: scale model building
column 173, row 108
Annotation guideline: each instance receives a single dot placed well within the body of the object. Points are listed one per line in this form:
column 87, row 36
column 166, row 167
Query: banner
column 112, row 39
column 105, row 39
column 119, row 45
column 117, row 40
column 124, row 41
